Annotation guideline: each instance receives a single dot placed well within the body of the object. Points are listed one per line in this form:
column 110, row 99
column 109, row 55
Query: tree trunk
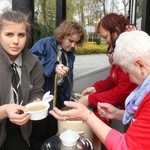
column 26, row 7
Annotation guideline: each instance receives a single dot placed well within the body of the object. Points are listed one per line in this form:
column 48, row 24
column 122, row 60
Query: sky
column 4, row 4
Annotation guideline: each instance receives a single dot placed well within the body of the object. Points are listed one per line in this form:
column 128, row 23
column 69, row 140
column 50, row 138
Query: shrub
column 97, row 40
column 42, row 30
column 90, row 48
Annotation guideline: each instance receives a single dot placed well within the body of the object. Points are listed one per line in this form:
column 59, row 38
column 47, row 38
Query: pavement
column 89, row 63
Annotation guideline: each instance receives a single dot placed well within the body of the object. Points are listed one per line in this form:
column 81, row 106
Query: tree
column 71, row 10
column 46, row 10
column 93, row 11
column 125, row 4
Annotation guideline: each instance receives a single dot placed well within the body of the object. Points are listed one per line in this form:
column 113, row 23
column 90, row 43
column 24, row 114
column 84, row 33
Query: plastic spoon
column 47, row 97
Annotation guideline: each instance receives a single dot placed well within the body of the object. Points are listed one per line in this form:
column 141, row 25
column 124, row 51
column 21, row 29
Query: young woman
column 49, row 50
column 117, row 83
column 132, row 53
column 56, row 55
column 15, row 127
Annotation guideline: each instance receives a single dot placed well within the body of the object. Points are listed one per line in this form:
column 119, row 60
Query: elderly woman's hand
column 78, row 112
column 109, row 111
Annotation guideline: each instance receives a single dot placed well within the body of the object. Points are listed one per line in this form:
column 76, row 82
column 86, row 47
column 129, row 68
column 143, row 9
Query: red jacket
column 114, row 89
column 137, row 136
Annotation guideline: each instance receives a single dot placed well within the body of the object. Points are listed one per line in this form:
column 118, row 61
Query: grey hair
column 131, row 45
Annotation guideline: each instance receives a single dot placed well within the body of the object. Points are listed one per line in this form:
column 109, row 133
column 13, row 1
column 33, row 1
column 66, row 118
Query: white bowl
column 69, row 138
column 37, row 110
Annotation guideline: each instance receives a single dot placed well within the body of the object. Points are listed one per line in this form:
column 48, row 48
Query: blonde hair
column 67, row 28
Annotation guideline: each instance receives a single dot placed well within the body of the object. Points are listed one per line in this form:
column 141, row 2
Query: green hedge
column 97, row 40
column 90, row 48
column 41, row 31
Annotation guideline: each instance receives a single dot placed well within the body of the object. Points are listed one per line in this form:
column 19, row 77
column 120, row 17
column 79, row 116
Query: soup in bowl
column 37, row 110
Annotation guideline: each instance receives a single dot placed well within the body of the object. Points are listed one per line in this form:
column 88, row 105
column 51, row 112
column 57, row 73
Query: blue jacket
column 46, row 50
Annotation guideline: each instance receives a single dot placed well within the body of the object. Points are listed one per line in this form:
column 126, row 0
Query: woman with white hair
column 132, row 53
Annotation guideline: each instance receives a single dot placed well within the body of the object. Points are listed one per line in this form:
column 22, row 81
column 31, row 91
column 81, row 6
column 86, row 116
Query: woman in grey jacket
column 15, row 128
